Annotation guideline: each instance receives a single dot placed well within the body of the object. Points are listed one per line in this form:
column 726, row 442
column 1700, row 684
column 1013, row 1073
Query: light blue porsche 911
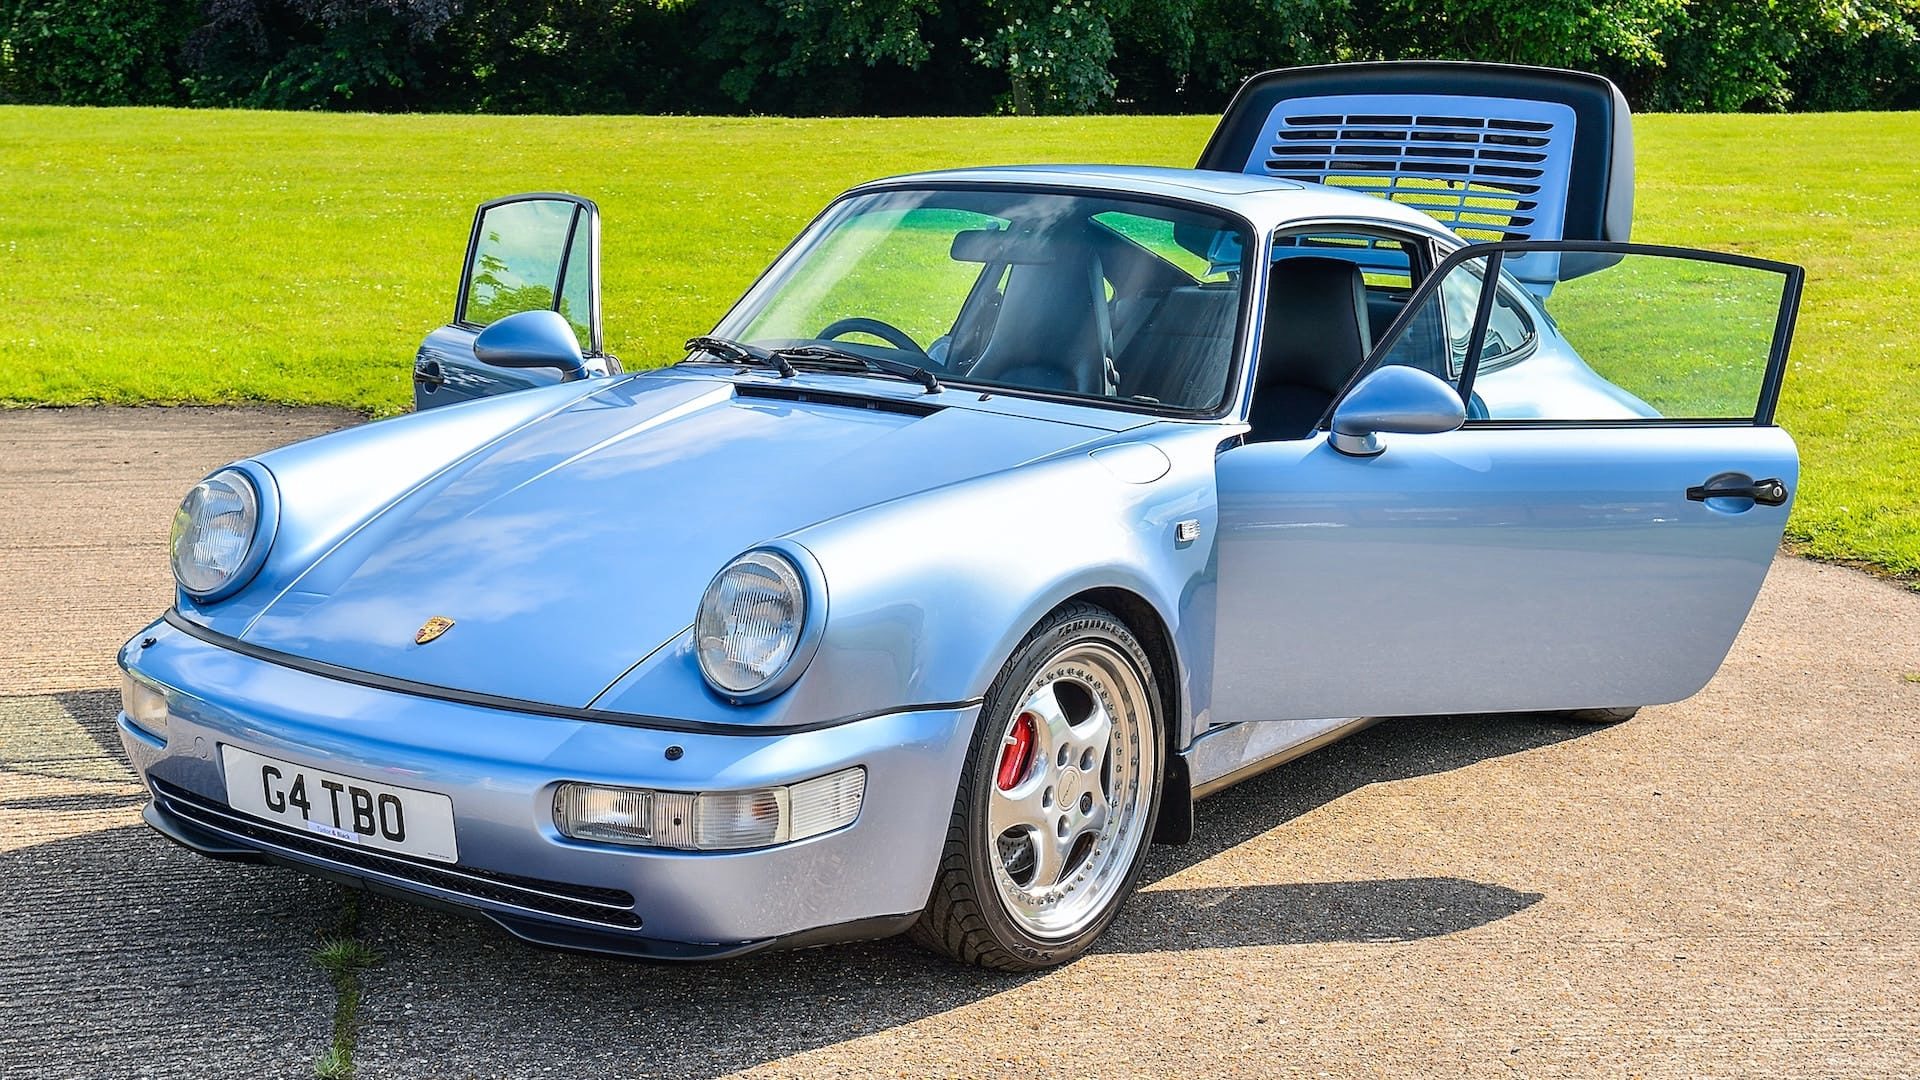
column 1008, row 513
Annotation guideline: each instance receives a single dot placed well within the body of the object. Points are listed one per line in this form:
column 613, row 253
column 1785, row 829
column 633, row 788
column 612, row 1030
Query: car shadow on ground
column 122, row 908
column 122, row 955
column 454, row 996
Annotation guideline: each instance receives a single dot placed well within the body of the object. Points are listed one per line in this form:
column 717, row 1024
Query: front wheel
column 1057, row 801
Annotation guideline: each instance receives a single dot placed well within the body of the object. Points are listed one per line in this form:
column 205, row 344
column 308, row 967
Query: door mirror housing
column 532, row 339
column 1396, row 400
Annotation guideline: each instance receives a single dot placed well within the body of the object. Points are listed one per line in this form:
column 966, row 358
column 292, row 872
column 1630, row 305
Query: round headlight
column 752, row 622
column 214, row 532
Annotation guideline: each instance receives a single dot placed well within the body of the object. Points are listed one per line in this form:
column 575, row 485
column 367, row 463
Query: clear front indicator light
column 145, row 706
column 710, row 820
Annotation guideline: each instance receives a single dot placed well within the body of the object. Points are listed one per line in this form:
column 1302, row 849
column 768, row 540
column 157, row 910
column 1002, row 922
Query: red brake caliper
column 1017, row 753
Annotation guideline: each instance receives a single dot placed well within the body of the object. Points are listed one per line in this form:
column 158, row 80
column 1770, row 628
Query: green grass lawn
column 166, row 256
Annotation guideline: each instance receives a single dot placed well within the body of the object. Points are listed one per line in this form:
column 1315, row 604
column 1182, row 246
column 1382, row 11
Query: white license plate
column 343, row 808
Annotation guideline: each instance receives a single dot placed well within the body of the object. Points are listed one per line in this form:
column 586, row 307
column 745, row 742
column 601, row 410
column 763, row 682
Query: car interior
column 1317, row 333
column 1122, row 304
column 1082, row 310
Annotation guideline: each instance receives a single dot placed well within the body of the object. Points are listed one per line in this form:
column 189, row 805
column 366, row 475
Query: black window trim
column 585, row 212
column 1792, row 285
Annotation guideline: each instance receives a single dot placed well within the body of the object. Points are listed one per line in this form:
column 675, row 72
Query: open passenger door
column 531, row 252
column 1566, row 503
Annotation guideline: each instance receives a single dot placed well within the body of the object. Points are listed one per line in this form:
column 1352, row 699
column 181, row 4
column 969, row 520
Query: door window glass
column 1435, row 338
column 515, row 264
column 1632, row 336
column 1662, row 336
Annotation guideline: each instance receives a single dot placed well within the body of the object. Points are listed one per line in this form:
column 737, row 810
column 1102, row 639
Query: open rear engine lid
column 1494, row 151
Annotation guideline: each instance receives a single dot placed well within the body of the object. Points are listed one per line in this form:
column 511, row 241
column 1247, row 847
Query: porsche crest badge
column 432, row 628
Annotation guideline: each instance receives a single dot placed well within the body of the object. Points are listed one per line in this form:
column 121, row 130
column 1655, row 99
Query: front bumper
column 500, row 769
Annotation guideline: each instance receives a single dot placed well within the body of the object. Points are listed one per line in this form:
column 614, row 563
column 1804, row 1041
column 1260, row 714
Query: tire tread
column 953, row 922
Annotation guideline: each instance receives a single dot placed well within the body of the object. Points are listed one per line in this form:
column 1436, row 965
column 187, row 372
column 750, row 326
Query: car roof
column 1266, row 201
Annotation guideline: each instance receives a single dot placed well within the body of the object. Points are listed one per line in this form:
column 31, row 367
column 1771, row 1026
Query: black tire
column 966, row 917
column 1596, row 716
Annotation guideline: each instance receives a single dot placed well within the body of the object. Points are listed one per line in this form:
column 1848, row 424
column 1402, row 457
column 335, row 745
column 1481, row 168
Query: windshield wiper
column 737, row 352
column 839, row 357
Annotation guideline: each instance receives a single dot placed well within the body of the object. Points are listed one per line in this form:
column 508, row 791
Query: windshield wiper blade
column 738, row 352
column 899, row 368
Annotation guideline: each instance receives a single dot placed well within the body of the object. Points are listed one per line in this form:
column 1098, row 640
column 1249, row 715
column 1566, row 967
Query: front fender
column 929, row 594
column 933, row 594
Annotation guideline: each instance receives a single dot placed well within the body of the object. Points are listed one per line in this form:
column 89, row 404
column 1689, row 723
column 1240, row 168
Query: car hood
column 566, row 551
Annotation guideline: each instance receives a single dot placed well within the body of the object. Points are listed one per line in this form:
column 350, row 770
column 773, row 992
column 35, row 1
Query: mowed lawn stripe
column 177, row 256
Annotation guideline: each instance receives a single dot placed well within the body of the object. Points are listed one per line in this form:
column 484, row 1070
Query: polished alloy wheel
column 1057, row 800
column 1071, row 797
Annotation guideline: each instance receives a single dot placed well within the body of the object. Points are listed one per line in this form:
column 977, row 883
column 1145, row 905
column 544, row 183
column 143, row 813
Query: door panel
column 445, row 370
column 524, row 253
column 1486, row 570
column 1595, row 539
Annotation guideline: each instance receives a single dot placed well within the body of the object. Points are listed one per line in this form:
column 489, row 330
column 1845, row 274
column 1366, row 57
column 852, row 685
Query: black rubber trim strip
column 205, row 814
column 815, row 395
column 193, row 629
column 535, row 927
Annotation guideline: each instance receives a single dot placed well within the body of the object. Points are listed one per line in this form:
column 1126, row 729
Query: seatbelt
column 1103, row 323
column 1143, row 307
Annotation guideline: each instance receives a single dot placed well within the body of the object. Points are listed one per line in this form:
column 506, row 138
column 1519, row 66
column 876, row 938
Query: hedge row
column 805, row 57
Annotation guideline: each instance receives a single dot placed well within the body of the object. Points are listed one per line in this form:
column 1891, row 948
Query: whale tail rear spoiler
column 1496, row 152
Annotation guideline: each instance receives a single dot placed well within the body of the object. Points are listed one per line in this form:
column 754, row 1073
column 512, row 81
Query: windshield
column 1094, row 296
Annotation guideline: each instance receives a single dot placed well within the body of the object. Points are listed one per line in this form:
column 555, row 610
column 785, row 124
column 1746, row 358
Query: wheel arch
column 1143, row 620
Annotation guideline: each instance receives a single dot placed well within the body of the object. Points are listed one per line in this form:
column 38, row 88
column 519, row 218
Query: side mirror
column 1398, row 400
column 532, row 339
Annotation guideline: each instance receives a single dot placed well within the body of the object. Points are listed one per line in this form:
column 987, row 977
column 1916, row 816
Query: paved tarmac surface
column 1724, row 887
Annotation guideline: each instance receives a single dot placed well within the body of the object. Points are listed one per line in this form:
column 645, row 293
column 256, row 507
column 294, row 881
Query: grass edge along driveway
column 167, row 256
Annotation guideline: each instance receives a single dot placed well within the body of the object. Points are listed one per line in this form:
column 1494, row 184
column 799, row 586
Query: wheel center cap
column 1065, row 787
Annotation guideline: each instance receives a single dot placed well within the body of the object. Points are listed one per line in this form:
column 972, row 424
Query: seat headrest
column 1046, row 334
column 1316, row 332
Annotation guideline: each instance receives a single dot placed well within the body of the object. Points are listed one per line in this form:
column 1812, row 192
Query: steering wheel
column 886, row 332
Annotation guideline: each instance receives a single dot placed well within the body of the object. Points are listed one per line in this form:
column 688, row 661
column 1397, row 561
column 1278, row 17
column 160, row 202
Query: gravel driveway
column 1720, row 887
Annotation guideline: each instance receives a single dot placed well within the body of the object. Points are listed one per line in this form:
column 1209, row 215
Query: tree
column 74, row 52
column 1055, row 53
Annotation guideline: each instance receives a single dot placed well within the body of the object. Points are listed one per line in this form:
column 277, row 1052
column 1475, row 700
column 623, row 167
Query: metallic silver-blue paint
column 502, row 768
column 571, row 529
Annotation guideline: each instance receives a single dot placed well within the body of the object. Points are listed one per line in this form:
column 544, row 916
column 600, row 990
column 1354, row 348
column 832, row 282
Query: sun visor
column 1495, row 152
column 1001, row 246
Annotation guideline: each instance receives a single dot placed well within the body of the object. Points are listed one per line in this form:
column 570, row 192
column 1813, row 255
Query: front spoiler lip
column 544, row 931
column 187, row 626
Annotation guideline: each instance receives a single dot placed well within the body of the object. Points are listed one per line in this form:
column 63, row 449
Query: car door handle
column 1768, row 492
column 429, row 374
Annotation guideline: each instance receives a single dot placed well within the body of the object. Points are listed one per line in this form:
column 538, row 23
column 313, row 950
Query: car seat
column 1314, row 338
